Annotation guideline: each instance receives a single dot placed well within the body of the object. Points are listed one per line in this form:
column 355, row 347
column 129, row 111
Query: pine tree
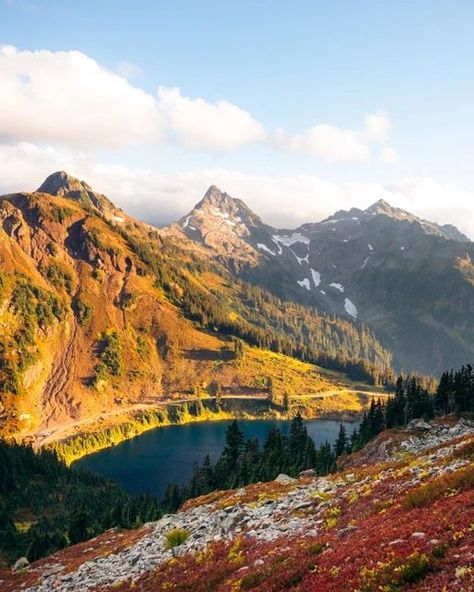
column 400, row 404
column 341, row 444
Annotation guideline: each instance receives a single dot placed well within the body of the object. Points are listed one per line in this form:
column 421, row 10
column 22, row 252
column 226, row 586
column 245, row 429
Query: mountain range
column 410, row 280
column 102, row 312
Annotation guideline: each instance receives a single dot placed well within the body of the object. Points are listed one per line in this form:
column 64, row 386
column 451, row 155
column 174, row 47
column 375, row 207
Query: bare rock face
column 64, row 185
column 223, row 224
column 60, row 183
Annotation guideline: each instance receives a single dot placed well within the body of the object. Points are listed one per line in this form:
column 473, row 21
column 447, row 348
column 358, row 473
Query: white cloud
column 337, row 145
column 196, row 122
column 377, row 126
column 327, row 142
column 67, row 97
column 389, row 155
column 129, row 70
column 284, row 201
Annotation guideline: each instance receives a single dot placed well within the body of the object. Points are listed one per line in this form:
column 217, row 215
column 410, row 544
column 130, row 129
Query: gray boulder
column 21, row 564
column 285, row 479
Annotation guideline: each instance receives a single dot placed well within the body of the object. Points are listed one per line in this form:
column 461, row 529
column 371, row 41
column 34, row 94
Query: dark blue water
column 149, row 462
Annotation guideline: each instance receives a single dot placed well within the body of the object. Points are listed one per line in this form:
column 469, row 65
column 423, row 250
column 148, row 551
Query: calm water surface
column 149, row 462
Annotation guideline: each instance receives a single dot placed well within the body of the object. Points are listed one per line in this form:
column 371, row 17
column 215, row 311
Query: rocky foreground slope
column 399, row 515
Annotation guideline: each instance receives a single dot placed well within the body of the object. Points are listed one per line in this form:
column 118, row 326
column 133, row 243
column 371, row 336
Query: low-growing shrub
column 175, row 537
column 396, row 575
column 316, row 548
column 59, row 277
column 82, row 311
column 444, row 485
column 252, row 580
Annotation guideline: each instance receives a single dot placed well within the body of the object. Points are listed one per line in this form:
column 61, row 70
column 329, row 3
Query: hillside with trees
column 102, row 314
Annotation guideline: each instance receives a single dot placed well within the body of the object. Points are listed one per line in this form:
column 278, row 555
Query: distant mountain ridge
column 410, row 279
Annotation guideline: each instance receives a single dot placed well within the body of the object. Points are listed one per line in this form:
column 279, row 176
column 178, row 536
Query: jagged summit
column 383, row 207
column 216, row 197
column 382, row 210
column 218, row 208
column 221, row 222
column 61, row 183
column 219, row 201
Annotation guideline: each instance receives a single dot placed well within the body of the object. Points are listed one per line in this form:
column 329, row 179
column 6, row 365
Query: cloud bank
column 283, row 201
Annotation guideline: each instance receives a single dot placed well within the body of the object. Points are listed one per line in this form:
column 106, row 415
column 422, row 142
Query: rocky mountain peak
column 218, row 209
column 216, row 198
column 383, row 207
column 61, row 183
column 219, row 203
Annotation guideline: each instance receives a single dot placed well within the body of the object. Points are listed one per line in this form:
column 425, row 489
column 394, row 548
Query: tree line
column 46, row 506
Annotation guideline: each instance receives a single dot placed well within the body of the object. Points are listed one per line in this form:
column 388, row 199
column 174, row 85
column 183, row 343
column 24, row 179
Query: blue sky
column 289, row 66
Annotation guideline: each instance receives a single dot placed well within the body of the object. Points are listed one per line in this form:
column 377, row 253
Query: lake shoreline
column 149, row 463
column 77, row 446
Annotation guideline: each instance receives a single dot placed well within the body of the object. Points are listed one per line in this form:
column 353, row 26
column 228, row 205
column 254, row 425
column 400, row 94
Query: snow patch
column 339, row 287
column 186, row 222
column 304, row 283
column 289, row 240
column 301, row 259
column 263, row 247
column 402, row 248
column 316, row 277
column 323, row 292
column 280, row 250
column 365, row 263
column 351, row 308
column 371, row 248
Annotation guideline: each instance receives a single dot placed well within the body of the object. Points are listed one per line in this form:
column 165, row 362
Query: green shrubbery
column 82, row 311
column 59, row 277
column 34, row 309
column 176, row 537
column 110, row 356
column 60, row 214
